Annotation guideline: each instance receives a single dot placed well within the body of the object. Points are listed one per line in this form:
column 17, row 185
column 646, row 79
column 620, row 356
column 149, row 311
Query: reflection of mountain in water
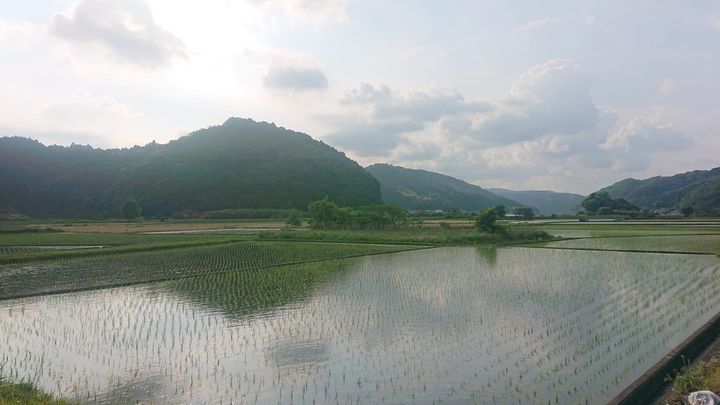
column 249, row 293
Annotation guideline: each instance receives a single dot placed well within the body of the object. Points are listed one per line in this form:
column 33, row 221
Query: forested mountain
column 699, row 190
column 421, row 189
column 546, row 202
column 239, row 164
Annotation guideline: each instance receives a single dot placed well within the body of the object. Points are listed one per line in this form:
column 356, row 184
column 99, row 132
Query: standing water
column 457, row 325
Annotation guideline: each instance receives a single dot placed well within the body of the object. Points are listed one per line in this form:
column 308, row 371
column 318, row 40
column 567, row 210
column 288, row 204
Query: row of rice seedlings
column 677, row 243
column 434, row 326
column 122, row 269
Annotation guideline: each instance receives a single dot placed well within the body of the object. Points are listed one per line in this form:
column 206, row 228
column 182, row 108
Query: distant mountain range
column 239, row 164
column 248, row 164
column 423, row 190
column 545, row 202
column 699, row 189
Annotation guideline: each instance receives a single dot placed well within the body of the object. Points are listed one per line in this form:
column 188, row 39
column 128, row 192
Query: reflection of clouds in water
column 297, row 353
column 459, row 324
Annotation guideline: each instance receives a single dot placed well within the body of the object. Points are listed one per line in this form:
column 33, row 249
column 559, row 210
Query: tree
column 687, row 211
column 452, row 212
column 595, row 201
column 486, row 221
column 323, row 213
column 293, row 220
column 130, row 209
column 500, row 211
column 524, row 212
column 602, row 204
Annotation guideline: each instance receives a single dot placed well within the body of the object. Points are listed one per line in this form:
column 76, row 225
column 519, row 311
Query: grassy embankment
column 412, row 236
column 25, row 393
column 704, row 375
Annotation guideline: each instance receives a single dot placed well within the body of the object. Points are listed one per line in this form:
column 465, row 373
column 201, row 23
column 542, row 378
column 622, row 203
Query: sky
column 546, row 95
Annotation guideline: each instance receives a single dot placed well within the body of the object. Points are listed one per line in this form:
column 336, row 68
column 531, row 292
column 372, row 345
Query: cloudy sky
column 560, row 95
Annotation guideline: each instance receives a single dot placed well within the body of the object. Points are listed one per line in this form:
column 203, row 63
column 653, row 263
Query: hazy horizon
column 562, row 96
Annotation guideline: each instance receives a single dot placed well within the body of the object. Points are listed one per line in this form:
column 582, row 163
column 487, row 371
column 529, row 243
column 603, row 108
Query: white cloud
column 644, row 135
column 295, row 79
column 83, row 118
column 285, row 71
column 313, row 12
column 479, row 124
column 126, row 29
column 378, row 119
column 90, row 111
column 551, row 98
column 548, row 128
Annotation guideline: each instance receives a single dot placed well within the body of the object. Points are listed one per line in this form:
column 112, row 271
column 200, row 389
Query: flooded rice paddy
column 678, row 243
column 452, row 325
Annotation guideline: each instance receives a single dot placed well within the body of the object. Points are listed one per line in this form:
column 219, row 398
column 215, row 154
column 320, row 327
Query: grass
column 412, row 236
column 704, row 375
column 26, row 393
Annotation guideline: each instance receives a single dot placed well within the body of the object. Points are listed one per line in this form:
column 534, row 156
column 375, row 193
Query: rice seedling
column 678, row 243
column 141, row 267
column 442, row 325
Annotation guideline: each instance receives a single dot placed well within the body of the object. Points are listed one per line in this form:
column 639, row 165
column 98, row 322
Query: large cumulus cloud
column 125, row 28
column 547, row 126
column 379, row 119
column 551, row 98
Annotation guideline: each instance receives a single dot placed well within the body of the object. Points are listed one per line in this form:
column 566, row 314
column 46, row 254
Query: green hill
column 546, row 202
column 240, row 164
column 699, row 189
column 421, row 189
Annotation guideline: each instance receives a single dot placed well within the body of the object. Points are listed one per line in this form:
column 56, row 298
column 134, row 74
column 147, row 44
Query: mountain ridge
column 545, row 201
column 696, row 189
column 239, row 164
column 414, row 189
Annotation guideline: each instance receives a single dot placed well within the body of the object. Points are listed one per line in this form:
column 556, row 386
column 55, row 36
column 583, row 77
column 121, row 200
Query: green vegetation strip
column 143, row 267
column 25, row 393
column 705, row 375
column 412, row 236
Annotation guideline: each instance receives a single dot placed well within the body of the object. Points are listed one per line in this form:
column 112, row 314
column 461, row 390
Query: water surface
column 457, row 325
